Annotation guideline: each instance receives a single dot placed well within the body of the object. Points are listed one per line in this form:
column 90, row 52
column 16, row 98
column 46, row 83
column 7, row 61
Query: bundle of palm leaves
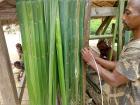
column 52, row 37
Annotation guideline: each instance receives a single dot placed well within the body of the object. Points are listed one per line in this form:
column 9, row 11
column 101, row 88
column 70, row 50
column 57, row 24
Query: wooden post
column 21, row 91
column 7, row 83
column 86, row 41
column 120, row 28
column 101, row 27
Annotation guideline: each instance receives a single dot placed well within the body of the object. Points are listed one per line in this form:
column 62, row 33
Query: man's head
column 131, row 17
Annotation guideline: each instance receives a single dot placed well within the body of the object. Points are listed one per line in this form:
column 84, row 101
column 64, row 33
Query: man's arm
column 109, row 65
column 114, row 78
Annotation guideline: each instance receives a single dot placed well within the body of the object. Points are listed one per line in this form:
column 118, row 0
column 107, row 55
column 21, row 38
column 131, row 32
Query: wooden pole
column 103, row 24
column 121, row 10
column 7, row 83
column 92, row 37
column 86, row 41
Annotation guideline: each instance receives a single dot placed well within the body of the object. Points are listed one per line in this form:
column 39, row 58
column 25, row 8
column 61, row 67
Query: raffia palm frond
column 52, row 37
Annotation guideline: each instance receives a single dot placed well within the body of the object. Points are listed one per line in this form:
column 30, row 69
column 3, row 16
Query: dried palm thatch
column 7, row 12
column 8, row 9
column 103, row 3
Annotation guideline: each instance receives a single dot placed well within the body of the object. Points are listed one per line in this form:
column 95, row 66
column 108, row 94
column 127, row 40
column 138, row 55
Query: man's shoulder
column 134, row 43
column 131, row 49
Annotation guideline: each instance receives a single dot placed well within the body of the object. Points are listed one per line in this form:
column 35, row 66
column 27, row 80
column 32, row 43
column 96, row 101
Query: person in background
column 19, row 50
column 123, row 75
column 20, row 66
column 105, row 50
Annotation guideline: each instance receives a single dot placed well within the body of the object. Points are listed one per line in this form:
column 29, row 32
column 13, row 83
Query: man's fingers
column 83, row 53
column 86, row 53
column 85, row 50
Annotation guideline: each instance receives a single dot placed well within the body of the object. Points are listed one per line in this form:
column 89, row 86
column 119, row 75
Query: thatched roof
column 103, row 3
column 8, row 9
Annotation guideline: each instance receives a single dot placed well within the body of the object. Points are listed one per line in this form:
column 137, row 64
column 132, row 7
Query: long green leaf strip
column 52, row 37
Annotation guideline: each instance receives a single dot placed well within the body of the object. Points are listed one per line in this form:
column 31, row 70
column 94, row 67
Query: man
column 124, row 75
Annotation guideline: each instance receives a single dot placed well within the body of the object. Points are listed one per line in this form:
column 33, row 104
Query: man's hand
column 87, row 55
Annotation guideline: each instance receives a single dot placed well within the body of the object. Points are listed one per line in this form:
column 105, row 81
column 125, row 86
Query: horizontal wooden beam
column 13, row 2
column 100, row 36
column 91, row 0
column 103, row 11
column 103, row 0
column 8, row 14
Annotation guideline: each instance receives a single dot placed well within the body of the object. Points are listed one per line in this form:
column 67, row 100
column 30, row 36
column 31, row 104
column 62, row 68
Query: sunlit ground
column 12, row 37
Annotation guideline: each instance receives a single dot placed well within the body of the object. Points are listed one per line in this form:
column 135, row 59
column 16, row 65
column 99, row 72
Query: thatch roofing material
column 103, row 3
column 8, row 9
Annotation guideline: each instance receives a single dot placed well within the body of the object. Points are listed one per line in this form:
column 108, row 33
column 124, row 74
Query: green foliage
column 95, row 23
column 52, row 37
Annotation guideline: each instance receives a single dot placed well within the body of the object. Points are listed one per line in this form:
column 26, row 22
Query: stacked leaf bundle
column 52, row 36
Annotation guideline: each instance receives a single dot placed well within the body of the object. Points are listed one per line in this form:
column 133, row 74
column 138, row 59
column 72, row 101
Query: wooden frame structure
column 8, row 90
column 7, row 84
column 108, row 13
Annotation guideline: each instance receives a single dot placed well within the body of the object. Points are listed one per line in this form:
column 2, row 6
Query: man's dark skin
column 107, row 69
